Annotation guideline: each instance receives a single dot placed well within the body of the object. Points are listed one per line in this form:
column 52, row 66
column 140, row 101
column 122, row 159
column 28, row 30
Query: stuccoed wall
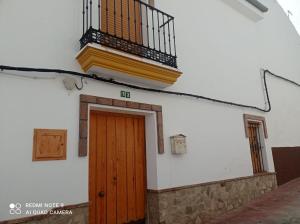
column 220, row 54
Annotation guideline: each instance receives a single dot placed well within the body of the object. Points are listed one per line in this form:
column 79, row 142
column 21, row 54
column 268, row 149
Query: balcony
column 128, row 40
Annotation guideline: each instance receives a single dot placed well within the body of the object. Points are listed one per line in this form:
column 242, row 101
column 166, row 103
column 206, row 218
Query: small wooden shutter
column 49, row 144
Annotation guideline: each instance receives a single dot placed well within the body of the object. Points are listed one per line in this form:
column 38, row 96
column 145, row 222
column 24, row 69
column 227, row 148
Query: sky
column 294, row 7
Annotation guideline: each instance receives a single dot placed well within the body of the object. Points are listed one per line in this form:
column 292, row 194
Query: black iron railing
column 131, row 26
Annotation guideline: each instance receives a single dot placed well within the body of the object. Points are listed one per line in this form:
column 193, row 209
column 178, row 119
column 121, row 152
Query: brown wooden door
column 117, row 177
column 287, row 163
column 255, row 147
column 122, row 18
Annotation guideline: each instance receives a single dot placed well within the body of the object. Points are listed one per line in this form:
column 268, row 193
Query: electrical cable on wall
column 110, row 81
column 79, row 88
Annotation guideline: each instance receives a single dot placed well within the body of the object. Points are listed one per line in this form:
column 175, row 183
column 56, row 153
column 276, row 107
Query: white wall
column 220, row 53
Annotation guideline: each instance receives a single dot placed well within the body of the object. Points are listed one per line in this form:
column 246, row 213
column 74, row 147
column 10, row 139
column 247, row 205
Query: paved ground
column 281, row 206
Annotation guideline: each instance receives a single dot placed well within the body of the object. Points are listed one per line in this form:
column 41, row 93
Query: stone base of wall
column 201, row 203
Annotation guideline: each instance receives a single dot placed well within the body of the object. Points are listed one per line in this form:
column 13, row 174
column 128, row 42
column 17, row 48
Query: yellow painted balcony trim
column 96, row 57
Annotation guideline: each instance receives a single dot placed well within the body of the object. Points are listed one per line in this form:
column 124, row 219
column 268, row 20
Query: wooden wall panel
column 130, row 169
column 101, row 169
column 121, row 170
column 111, row 171
column 139, row 132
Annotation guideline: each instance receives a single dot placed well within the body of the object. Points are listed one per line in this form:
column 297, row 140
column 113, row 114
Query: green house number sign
column 125, row 94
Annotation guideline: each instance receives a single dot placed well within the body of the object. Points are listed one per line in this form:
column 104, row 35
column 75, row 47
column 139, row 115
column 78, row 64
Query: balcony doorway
column 122, row 18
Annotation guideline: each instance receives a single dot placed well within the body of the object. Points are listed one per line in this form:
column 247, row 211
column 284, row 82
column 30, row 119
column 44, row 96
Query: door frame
column 110, row 104
column 153, row 129
column 263, row 136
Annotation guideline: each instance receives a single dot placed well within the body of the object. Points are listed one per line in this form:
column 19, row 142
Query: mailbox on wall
column 178, row 144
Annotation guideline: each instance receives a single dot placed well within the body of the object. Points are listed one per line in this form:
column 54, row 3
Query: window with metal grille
column 256, row 147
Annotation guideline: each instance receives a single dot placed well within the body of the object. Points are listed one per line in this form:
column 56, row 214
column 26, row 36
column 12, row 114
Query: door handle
column 101, row 194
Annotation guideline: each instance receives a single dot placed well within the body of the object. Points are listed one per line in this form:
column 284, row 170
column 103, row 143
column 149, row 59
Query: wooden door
column 255, row 147
column 286, row 162
column 122, row 18
column 117, row 177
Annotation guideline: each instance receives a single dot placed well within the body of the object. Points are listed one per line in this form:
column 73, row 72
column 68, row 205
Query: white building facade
column 222, row 50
